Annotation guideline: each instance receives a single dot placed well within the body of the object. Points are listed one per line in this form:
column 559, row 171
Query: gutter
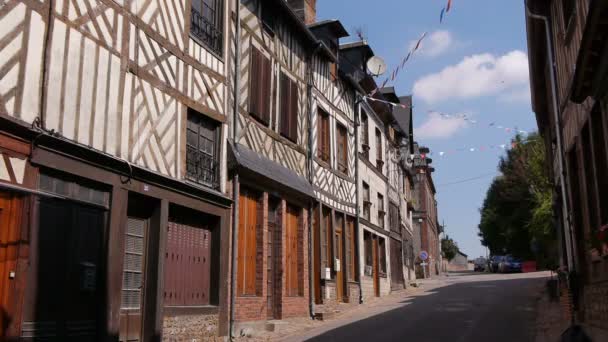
column 235, row 178
column 357, row 112
column 565, row 212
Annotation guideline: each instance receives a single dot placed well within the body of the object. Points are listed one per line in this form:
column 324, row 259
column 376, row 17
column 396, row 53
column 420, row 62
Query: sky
column 473, row 64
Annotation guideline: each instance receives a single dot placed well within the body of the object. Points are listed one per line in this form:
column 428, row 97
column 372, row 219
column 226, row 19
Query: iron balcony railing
column 205, row 30
column 202, row 168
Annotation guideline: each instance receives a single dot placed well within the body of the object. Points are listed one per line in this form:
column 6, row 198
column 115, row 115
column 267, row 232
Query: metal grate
column 202, row 164
column 132, row 276
column 206, row 23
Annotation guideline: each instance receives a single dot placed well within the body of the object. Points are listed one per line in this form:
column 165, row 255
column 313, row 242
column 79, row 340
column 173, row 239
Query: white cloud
column 435, row 44
column 477, row 75
column 438, row 127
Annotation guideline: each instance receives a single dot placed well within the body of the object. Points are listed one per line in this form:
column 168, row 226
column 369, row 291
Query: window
column 202, row 150
column 379, row 159
column 364, row 131
column 393, row 217
column 381, row 210
column 249, row 242
column 352, row 248
column 369, row 249
column 601, row 166
column 323, row 150
column 259, row 86
column 382, row 256
column 268, row 17
column 568, row 9
column 293, row 253
column 366, row 202
column 342, row 148
column 289, row 108
column 206, row 23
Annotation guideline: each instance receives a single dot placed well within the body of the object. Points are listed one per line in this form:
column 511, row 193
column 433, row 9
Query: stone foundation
column 191, row 328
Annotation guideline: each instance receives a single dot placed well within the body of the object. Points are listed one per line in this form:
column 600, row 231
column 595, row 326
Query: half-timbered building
column 113, row 207
column 567, row 42
column 335, row 261
column 372, row 180
column 270, row 161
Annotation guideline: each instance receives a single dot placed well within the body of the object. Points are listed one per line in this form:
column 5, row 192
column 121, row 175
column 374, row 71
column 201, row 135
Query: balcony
column 204, row 30
column 202, row 168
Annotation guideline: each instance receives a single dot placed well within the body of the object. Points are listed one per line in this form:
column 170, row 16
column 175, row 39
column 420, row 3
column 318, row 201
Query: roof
column 403, row 116
column 272, row 171
column 332, row 24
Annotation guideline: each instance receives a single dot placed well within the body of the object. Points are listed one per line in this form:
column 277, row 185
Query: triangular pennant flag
column 449, row 6
column 419, row 41
column 441, row 15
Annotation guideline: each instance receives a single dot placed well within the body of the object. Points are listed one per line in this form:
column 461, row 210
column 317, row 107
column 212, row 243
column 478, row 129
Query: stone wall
column 191, row 328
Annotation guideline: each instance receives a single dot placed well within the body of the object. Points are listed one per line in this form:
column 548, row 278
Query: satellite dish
column 376, row 66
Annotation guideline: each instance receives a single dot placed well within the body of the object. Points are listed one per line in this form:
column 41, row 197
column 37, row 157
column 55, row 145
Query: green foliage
column 516, row 216
column 449, row 248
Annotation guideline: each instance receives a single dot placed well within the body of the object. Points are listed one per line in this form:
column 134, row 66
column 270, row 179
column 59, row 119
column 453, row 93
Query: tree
column 516, row 216
column 449, row 248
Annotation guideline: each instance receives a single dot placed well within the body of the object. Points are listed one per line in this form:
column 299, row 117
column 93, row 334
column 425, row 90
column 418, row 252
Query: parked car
column 495, row 260
column 509, row 264
column 480, row 264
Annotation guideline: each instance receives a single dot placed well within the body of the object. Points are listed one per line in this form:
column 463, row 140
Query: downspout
column 309, row 86
column 357, row 112
column 235, row 178
column 558, row 133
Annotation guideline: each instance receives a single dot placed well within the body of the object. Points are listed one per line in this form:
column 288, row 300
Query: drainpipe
column 235, row 178
column 558, row 133
column 357, row 112
column 309, row 86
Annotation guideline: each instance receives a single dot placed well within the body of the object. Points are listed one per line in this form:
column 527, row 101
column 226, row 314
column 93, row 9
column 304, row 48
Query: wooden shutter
column 247, row 245
column 293, row 111
column 351, row 250
column 259, row 86
column 291, row 251
column 285, row 94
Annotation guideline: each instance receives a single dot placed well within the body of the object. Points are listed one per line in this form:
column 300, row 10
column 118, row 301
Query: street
column 463, row 307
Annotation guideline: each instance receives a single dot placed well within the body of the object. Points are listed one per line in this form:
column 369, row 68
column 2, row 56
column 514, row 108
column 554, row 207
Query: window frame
column 217, row 26
column 323, row 136
column 260, row 74
column 366, row 201
column 342, row 145
column 381, row 211
column 288, row 106
column 200, row 120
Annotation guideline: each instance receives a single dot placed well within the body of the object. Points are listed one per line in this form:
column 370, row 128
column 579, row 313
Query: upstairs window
column 323, row 136
column 289, row 108
column 202, row 150
column 366, row 201
column 259, row 86
column 568, row 10
column 381, row 211
column 379, row 160
column 342, row 148
column 206, row 23
column 393, row 217
column 364, row 135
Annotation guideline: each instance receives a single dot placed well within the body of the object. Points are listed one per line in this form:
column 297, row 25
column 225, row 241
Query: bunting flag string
column 473, row 121
column 481, row 148
column 400, row 66
column 445, row 10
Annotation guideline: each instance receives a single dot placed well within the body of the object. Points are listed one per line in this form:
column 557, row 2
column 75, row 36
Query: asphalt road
column 467, row 308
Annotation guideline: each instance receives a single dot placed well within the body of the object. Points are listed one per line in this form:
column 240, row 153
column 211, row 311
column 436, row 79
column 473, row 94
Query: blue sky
column 474, row 63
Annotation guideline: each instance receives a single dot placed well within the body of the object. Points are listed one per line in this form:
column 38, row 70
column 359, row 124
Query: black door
column 65, row 290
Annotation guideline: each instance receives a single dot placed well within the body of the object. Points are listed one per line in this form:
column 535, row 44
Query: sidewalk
column 550, row 318
column 302, row 328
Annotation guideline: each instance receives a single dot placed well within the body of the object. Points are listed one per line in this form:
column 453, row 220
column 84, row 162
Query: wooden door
column 340, row 266
column 317, row 254
column 133, row 280
column 11, row 210
column 375, row 268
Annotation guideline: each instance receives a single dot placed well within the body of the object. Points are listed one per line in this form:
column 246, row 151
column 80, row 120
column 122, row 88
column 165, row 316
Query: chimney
column 306, row 10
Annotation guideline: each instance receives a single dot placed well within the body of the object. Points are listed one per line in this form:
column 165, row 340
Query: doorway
column 273, row 307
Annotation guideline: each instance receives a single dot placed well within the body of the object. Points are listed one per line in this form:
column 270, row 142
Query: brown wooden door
column 317, row 254
column 375, row 267
column 11, row 210
column 133, row 279
column 340, row 266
